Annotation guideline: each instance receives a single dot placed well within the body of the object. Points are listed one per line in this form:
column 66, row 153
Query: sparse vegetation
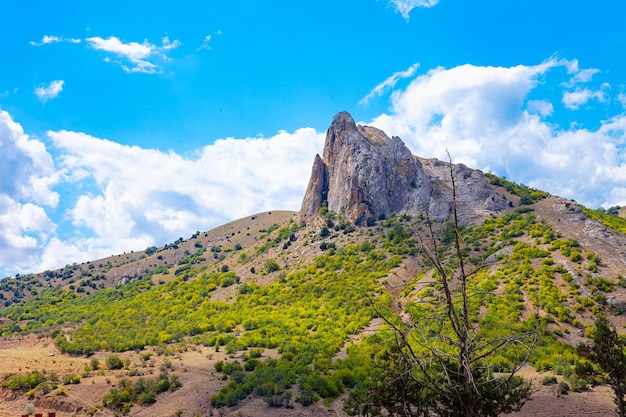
column 246, row 301
column 609, row 218
column 143, row 392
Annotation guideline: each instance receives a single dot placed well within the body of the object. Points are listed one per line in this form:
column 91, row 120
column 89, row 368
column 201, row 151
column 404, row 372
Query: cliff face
column 364, row 173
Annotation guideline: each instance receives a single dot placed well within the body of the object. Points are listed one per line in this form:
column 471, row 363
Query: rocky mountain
column 272, row 314
column 364, row 174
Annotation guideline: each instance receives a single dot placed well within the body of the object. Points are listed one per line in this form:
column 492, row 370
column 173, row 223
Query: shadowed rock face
column 364, row 173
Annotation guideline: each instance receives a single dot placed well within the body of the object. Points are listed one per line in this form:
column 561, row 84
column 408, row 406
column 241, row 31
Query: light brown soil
column 546, row 402
column 194, row 368
column 199, row 381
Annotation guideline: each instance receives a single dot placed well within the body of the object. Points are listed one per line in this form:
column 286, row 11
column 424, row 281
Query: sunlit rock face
column 366, row 174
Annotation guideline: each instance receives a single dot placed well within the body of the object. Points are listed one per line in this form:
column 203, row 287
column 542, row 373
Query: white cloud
column 50, row 39
column 541, row 107
column 207, row 40
column 579, row 75
column 205, row 43
column 27, row 175
column 127, row 198
column 134, row 52
column 574, row 99
column 25, row 227
column 50, row 91
column 131, row 56
column 134, row 56
column 47, row 39
column 389, row 83
column 621, row 98
column 148, row 197
column 139, row 197
column 404, row 7
column 583, row 76
column 480, row 114
column 167, row 44
column 469, row 106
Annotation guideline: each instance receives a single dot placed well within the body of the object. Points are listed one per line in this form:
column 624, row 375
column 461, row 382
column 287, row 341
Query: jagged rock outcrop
column 363, row 173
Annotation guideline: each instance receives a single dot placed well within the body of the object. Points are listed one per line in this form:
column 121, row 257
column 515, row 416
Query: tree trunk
column 470, row 405
column 619, row 397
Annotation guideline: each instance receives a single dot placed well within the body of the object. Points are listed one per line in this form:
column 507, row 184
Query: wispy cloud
column 167, row 44
column 50, row 91
column 206, row 42
column 135, row 53
column 583, row 76
column 135, row 56
column 389, row 83
column 47, row 39
column 404, row 7
column 131, row 56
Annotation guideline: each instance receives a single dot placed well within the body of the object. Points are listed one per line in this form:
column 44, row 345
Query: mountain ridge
column 288, row 295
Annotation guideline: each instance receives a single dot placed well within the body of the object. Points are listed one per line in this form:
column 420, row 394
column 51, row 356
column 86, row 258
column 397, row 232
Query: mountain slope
column 282, row 309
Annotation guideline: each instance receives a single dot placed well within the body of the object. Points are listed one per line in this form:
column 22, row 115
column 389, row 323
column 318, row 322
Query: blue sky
column 130, row 124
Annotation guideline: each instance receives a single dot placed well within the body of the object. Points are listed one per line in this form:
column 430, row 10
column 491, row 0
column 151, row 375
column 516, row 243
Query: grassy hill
column 293, row 314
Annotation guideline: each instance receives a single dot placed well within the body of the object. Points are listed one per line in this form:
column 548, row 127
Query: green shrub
column 271, row 266
column 114, row 362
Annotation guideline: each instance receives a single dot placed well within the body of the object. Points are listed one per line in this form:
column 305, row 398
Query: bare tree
column 447, row 373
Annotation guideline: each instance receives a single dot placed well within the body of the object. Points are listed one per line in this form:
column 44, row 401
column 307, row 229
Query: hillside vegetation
column 288, row 304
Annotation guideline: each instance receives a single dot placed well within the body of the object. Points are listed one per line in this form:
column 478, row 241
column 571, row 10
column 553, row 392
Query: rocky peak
column 364, row 173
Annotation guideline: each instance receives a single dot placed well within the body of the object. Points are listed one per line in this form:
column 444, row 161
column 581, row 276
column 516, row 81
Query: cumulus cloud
column 50, row 91
column 27, row 175
column 574, row 99
column 482, row 117
column 389, row 83
column 128, row 198
column 146, row 197
column 404, row 7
